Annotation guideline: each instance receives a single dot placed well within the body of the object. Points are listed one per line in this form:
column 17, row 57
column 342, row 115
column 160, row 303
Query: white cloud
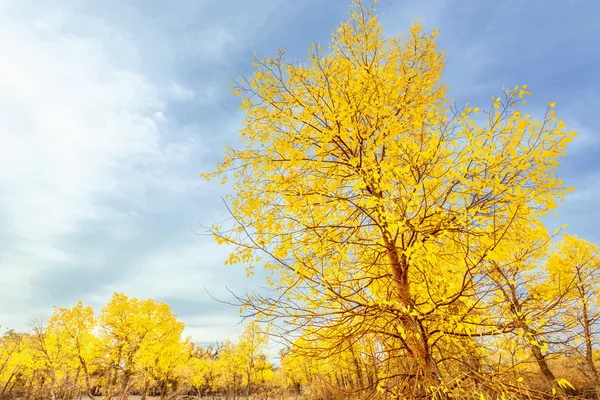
column 85, row 155
column 179, row 93
column 173, row 271
column 213, row 328
column 86, row 107
column 70, row 121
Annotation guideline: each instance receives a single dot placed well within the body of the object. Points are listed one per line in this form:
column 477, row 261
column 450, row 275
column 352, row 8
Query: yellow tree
column 135, row 333
column 521, row 299
column 294, row 369
column 164, row 361
column 208, row 363
column 251, row 346
column 229, row 370
column 50, row 355
column 323, row 373
column 13, row 361
column 574, row 268
column 372, row 197
column 195, row 368
column 76, row 327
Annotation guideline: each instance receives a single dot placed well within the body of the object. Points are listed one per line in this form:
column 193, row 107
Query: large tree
column 375, row 200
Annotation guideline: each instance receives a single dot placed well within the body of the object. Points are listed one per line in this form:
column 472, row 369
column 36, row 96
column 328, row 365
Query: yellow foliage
column 379, row 205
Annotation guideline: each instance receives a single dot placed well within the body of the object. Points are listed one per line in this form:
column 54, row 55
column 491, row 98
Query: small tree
column 252, row 343
column 76, row 328
column 137, row 335
column 574, row 267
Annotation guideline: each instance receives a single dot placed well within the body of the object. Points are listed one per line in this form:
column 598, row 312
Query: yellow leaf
column 562, row 382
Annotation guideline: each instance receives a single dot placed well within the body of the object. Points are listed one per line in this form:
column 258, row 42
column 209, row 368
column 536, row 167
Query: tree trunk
column 163, row 391
column 30, row 387
column 113, row 377
column 86, row 374
column 76, row 388
column 145, row 393
column 6, row 385
column 52, row 390
column 125, row 384
column 10, row 389
column 416, row 336
column 540, row 360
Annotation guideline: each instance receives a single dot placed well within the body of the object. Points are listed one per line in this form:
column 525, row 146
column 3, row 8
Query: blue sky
column 109, row 111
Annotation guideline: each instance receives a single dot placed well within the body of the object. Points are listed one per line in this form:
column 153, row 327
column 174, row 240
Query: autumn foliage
column 133, row 347
column 404, row 232
column 405, row 239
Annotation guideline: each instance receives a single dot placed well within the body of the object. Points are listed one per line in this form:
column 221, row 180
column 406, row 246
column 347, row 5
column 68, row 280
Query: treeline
column 133, row 347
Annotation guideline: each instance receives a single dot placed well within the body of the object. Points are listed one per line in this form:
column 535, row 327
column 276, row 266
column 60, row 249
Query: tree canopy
column 393, row 218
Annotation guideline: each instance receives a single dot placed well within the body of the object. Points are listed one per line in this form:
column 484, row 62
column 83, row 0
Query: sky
column 110, row 110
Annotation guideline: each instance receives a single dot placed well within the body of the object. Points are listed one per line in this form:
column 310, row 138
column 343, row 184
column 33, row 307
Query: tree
column 574, row 268
column 250, row 348
column 13, row 360
column 524, row 301
column 137, row 335
column 134, row 347
column 76, row 329
column 230, row 370
column 374, row 199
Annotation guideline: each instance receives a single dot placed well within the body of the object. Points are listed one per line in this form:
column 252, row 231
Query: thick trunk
column 417, row 341
column 540, row 360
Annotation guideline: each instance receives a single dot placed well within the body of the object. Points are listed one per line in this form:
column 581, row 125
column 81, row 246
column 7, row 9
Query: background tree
column 14, row 363
column 574, row 267
column 50, row 355
column 230, row 370
column 522, row 299
column 252, row 343
column 135, row 347
column 76, row 329
column 134, row 334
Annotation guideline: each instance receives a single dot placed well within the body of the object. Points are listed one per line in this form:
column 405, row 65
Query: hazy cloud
column 110, row 110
